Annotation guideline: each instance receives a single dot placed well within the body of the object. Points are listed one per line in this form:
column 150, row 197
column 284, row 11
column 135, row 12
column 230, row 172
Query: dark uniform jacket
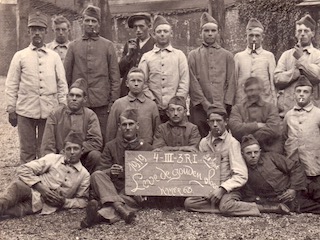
column 127, row 62
column 273, row 175
column 95, row 60
column 114, row 153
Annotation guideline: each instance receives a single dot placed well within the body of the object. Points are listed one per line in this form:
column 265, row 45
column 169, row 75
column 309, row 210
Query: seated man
column 52, row 182
column 74, row 117
column 233, row 171
column 148, row 114
column 108, row 183
column 277, row 182
column 177, row 134
column 257, row 117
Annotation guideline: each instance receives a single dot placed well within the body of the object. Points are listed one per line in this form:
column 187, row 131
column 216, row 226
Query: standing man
column 61, row 28
column 35, row 85
column 148, row 114
column 257, row 117
column 225, row 199
column 211, row 75
column 302, row 134
column 135, row 47
column 108, row 184
column 165, row 68
column 303, row 59
column 74, row 118
column 94, row 59
column 254, row 61
column 53, row 182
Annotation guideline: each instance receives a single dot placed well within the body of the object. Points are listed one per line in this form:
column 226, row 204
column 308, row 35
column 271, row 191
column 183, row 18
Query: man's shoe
column 279, row 208
column 92, row 214
column 126, row 215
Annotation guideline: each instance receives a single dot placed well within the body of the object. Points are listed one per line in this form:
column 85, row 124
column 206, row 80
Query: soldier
column 35, row 85
column 135, row 47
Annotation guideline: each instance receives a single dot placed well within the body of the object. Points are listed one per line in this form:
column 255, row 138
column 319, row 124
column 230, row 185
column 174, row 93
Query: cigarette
column 94, row 31
column 254, row 46
column 300, row 99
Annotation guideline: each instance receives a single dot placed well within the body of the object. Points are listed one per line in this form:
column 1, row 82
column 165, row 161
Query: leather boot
column 92, row 215
column 279, row 208
column 125, row 214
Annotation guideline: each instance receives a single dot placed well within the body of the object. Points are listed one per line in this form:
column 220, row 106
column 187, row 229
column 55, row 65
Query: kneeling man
column 52, row 182
column 74, row 117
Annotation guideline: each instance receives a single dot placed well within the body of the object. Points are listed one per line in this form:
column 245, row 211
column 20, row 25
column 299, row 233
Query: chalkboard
column 171, row 173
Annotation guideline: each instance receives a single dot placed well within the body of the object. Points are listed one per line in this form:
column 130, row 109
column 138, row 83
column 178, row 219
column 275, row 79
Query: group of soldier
column 75, row 117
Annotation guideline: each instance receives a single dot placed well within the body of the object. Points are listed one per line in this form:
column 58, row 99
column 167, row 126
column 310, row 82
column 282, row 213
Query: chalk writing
column 171, row 173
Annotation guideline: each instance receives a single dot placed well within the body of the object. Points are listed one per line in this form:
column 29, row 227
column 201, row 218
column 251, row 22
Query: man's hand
column 188, row 149
column 13, row 120
column 298, row 53
column 116, row 169
column 109, row 107
column 51, row 197
column 132, row 45
column 296, row 73
column 287, row 196
column 157, row 150
column 216, row 195
column 261, row 125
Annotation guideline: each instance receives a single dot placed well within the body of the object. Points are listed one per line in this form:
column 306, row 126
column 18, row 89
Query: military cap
column 74, row 137
column 37, row 19
column 308, row 21
column 220, row 110
column 159, row 20
column 81, row 84
column 178, row 100
column 303, row 81
column 248, row 140
column 130, row 113
column 207, row 18
column 92, row 11
column 254, row 23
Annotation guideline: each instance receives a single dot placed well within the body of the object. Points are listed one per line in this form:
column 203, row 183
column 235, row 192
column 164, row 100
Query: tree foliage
column 278, row 18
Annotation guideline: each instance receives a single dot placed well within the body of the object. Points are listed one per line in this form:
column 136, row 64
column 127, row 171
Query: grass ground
column 150, row 223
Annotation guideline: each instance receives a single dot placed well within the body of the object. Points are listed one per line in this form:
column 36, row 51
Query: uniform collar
column 309, row 49
column 56, row 44
column 43, row 48
column 95, row 38
column 307, row 108
column 215, row 45
column 78, row 166
column 79, row 112
column 156, row 49
column 220, row 138
column 134, row 144
column 258, row 50
column 141, row 97
column 183, row 123
column 260, row 103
